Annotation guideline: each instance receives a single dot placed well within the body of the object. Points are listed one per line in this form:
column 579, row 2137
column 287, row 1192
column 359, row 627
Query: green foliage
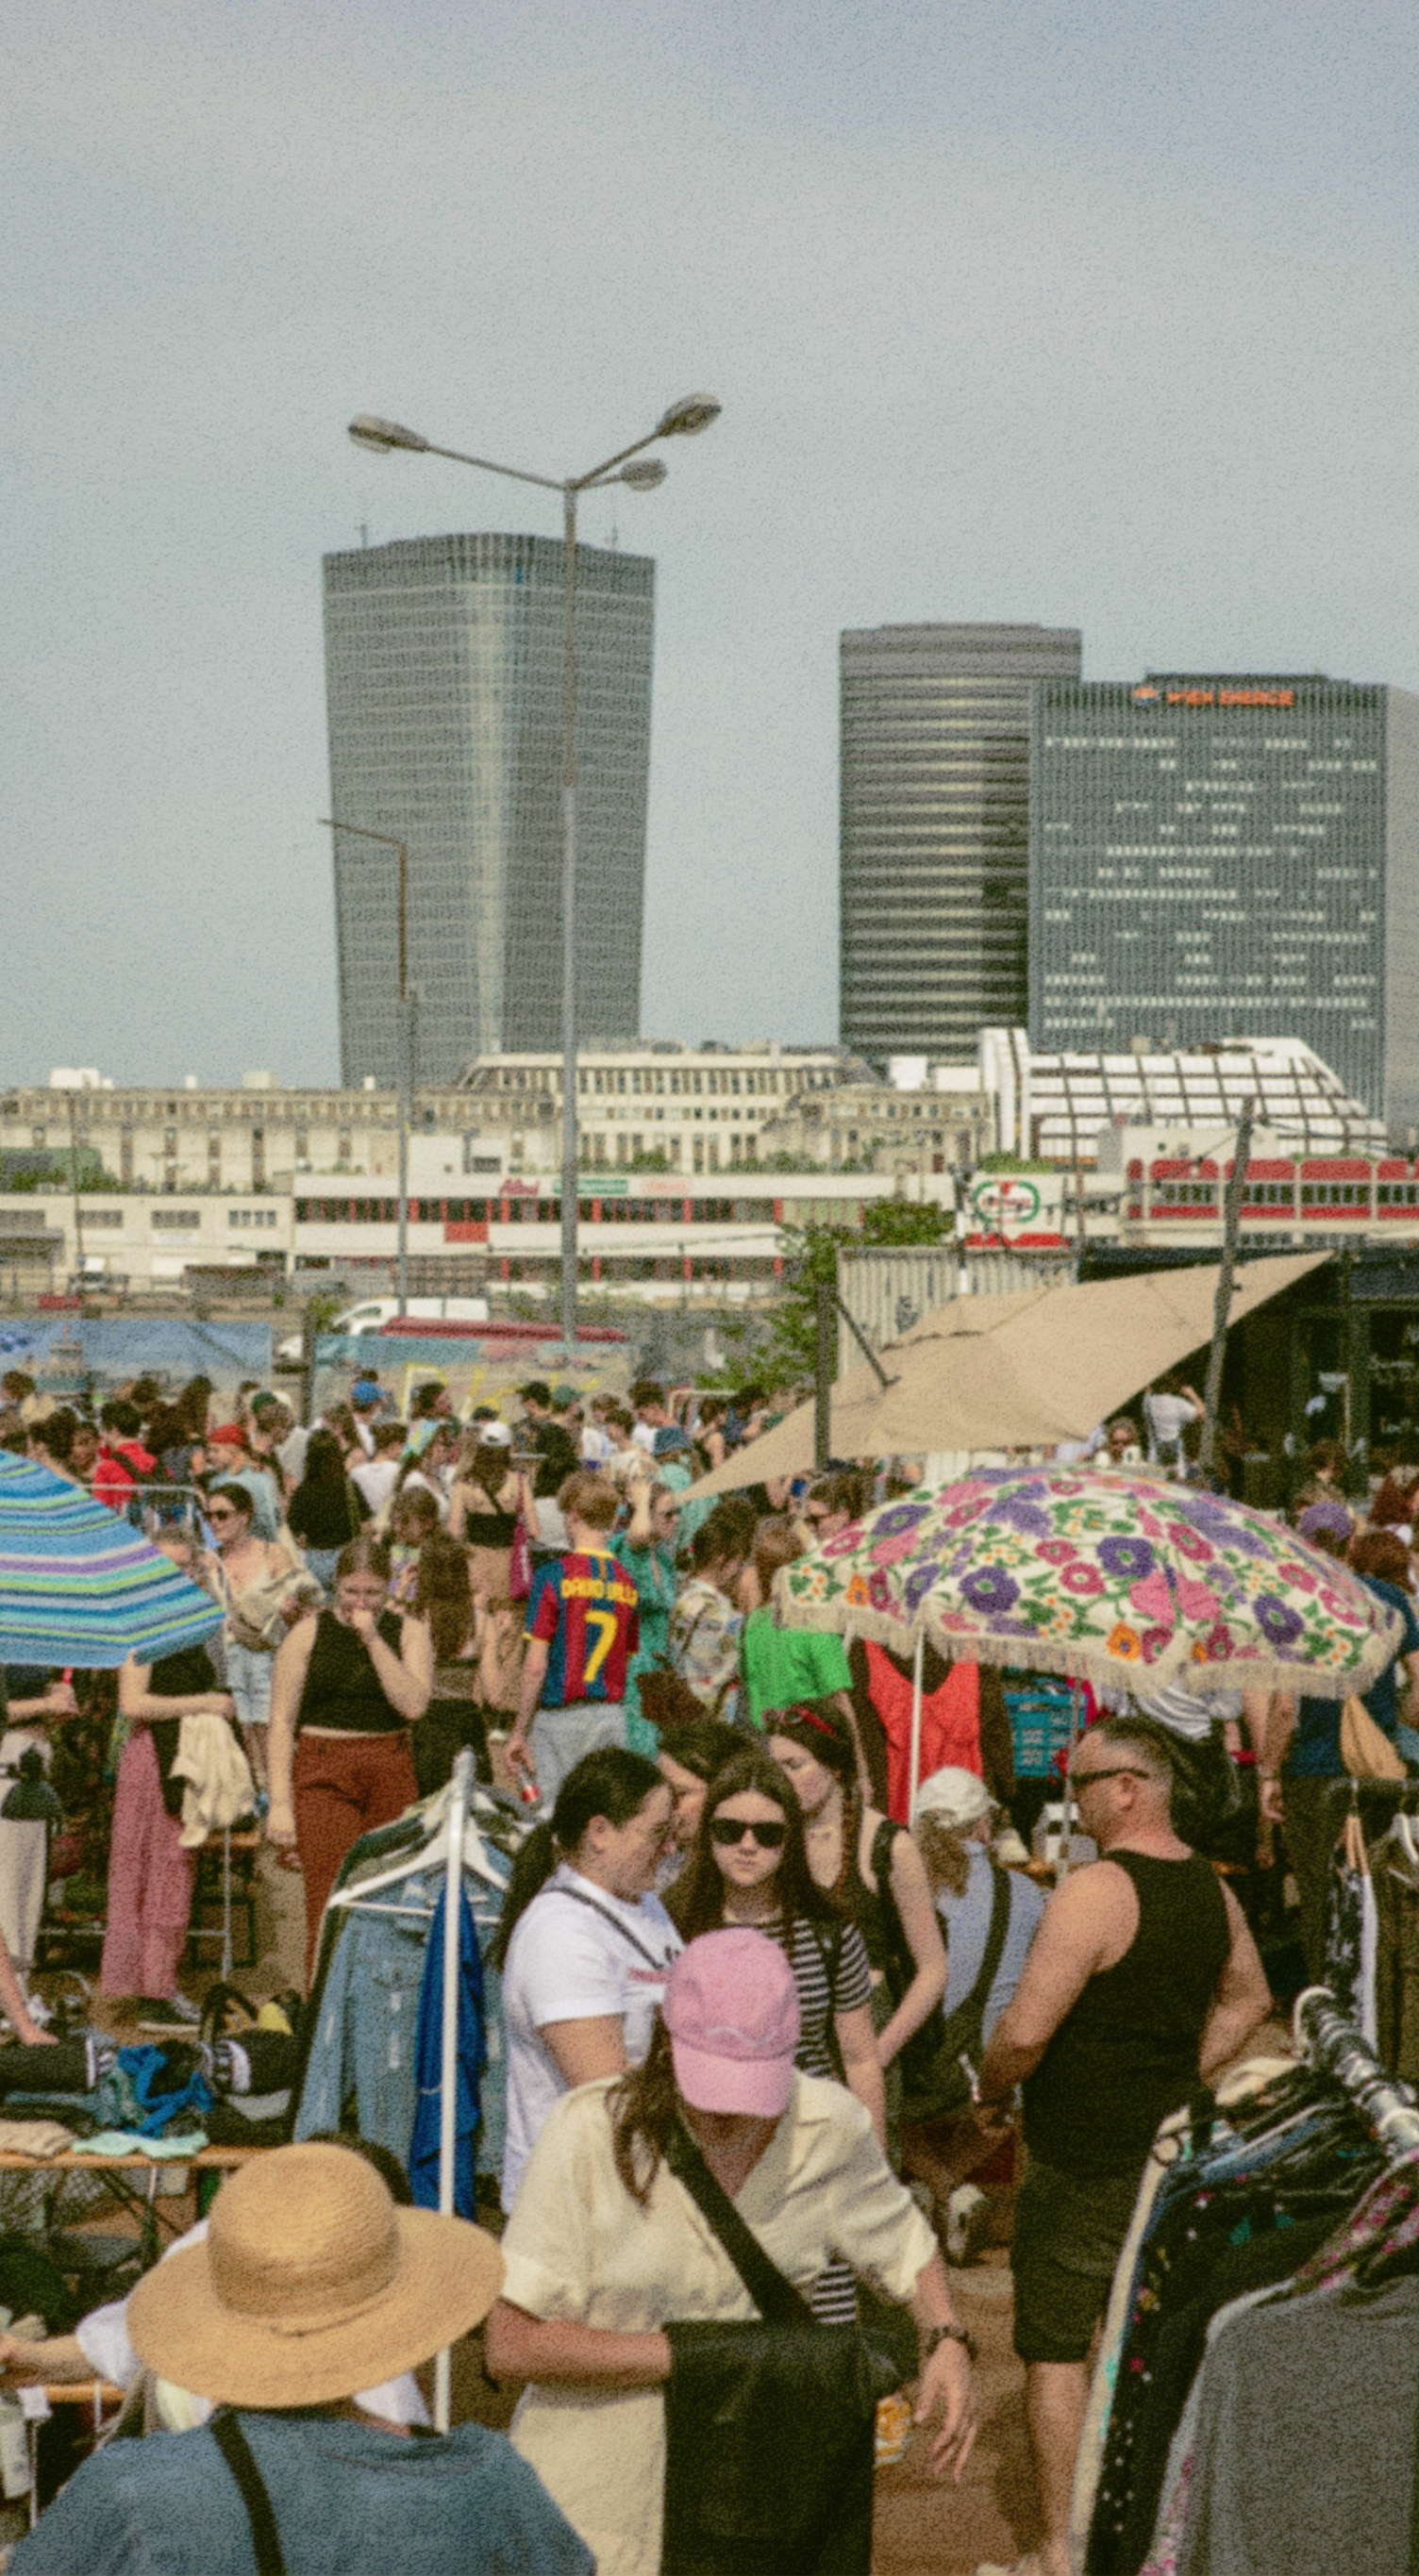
column 907, row 1221
column 1012, row 1163
column 811, row 1255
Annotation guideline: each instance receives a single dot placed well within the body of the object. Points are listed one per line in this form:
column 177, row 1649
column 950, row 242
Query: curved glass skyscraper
column 443, row 664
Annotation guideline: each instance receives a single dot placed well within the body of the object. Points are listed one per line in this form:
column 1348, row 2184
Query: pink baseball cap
column 731, row 2008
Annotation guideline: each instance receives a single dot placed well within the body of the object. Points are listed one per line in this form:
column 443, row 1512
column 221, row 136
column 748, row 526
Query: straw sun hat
column 311, row 2285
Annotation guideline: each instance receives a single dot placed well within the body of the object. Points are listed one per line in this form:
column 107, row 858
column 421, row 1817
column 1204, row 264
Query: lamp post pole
column 404, row 1052
column 684, row 419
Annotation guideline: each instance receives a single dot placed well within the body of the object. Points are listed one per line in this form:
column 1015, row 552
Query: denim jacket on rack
column 364, row 2013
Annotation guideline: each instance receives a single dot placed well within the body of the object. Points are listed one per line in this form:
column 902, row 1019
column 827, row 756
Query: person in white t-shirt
column 585, row 1945
column 596, row 1442
column 1168, row 1408
column 648, row 1405
column 378, row 1477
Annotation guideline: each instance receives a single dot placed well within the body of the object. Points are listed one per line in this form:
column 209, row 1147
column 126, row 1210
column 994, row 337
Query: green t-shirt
column 785, row 1664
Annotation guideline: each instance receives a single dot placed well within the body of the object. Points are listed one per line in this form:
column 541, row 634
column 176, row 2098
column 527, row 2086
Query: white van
column 372, row 1312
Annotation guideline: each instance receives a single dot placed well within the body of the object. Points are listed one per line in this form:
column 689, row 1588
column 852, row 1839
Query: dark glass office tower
column 1214, row 857
column 443, row 663
column 934, row 831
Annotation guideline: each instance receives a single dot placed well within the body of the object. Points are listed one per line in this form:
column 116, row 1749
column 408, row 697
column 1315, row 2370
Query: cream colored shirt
column 578, row 2247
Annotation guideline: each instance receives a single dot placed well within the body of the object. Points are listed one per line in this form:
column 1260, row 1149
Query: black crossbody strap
column 661, row 1966
column 979, row 1995
column 776, row 2299
column 236, row 2451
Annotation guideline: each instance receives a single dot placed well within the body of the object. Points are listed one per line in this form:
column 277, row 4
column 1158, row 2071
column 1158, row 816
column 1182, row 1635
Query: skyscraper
column 443, row 668
column 934, row 831
column 1215, row 857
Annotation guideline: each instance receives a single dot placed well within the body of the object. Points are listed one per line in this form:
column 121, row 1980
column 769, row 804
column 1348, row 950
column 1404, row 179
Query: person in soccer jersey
column 582, row 1629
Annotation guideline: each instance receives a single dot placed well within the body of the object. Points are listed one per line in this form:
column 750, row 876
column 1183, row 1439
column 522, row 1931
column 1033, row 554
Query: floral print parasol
column 1114, row 1578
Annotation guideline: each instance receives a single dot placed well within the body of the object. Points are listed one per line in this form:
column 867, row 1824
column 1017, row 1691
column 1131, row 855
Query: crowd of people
column 773, row 2039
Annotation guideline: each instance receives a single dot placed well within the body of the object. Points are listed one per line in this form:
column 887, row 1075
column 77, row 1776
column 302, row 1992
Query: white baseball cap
column 956, row 1798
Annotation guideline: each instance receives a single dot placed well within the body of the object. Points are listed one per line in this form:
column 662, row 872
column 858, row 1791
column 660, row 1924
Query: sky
column 1018, row 309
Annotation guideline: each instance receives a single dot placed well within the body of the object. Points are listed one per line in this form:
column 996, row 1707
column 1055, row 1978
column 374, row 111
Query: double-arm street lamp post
column 683, row 420
column 405, row 1055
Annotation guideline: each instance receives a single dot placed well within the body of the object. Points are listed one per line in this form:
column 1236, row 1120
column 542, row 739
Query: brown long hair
column 441, row 1595
column 816, row 1726
column 697, row 1899
column 944, row 1855
column 644, row 2108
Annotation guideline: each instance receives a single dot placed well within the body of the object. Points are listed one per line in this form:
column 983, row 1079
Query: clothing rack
column 461, row 1787
column 454, row 1831
column 1333, row 2046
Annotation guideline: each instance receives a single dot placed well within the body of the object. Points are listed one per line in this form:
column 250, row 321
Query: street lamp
column 404, row 1069
column 683, row 419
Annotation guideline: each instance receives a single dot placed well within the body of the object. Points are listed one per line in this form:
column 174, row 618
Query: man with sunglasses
column 1142, row 1980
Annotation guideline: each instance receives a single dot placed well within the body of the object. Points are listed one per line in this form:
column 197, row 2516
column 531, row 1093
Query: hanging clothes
column 1394, row 1876
column 1285, row 2200
column 423, row 2156
column 1352, row 1929
column 360, row 2027
column 950, row 1724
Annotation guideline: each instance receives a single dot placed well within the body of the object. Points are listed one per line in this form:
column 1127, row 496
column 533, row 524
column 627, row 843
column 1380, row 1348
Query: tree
column 811, row 1255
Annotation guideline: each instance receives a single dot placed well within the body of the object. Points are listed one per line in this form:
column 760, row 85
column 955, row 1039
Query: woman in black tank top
column 872, row 1867
column 346, row 1689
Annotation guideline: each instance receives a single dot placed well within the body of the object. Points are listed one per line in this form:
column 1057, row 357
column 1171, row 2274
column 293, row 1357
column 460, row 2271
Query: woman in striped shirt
column 749, row 1866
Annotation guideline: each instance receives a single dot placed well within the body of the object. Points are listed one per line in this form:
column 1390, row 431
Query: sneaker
column 967, row 2224
column 173, row 2012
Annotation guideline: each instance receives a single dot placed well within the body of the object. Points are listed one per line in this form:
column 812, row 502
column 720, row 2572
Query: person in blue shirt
column 1301, row 1765
column 311, row 2283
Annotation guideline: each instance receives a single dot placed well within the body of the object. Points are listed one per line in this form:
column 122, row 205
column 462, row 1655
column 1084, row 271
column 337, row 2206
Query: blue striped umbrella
column 79, row 1586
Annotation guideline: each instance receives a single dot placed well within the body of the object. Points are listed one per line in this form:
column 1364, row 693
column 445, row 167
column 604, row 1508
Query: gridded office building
column 1212, row 856
column 935, row 830
column 443, row 662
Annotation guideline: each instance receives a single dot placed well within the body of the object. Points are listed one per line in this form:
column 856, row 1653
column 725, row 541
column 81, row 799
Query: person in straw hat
column 312, row 2284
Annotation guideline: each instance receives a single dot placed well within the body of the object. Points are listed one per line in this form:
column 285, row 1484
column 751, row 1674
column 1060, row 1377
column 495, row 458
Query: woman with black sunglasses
column 749, row 1866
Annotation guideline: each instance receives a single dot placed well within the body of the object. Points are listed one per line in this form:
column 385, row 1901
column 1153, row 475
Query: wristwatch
column 931, row 2336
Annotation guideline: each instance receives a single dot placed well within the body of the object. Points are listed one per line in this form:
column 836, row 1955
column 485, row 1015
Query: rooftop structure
column 1053, row 1107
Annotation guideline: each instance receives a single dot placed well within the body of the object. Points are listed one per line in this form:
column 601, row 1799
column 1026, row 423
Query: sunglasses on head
column 729, row 1830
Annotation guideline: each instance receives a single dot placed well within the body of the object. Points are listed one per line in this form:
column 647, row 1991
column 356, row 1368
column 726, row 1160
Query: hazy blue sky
column 1017, row 309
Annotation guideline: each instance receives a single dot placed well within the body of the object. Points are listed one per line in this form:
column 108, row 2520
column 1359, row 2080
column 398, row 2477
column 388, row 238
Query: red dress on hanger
column 950, row 1724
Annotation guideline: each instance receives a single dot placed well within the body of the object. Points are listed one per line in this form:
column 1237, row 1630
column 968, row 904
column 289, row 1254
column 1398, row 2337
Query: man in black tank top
column 1143, row 1980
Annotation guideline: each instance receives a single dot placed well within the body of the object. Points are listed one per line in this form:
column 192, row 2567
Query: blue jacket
column 344, row 2494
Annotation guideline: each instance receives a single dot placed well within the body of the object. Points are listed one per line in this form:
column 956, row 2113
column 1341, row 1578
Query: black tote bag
column 769, row 2453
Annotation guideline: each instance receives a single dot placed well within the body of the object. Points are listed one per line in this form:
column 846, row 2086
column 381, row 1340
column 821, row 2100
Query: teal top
column 652, row 1570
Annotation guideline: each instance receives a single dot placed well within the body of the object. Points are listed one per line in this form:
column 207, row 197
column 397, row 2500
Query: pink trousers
column 150, row 1881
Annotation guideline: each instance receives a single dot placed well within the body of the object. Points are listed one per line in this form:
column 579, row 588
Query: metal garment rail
column 1333, row 2046
column 462, row 1786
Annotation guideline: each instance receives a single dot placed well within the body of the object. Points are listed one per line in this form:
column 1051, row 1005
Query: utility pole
column 74, row 1185
column 827, row 1301
column 1231, row 1220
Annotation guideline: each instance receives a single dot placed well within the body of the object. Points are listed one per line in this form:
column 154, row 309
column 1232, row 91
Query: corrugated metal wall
column 886, row 1291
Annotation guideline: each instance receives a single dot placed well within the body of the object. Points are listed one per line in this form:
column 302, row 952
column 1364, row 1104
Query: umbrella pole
column 914, row 1773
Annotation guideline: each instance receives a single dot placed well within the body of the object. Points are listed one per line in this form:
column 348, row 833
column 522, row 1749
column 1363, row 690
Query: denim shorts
column 249, row 1681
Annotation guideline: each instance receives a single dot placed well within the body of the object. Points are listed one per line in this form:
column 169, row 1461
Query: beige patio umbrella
column 1018, row 1371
